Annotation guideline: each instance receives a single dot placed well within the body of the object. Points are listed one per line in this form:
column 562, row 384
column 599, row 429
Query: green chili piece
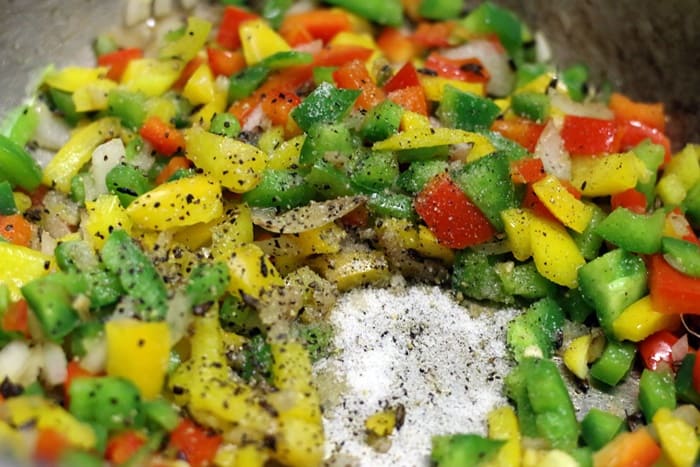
column 138, row 277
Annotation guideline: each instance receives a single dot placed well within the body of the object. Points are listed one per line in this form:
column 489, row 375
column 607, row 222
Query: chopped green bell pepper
column 389, row 204
column 137, row 274
column 280, row 188
column 127, row 182
column 17, row 166
column 108, row 401
column 463, row 449
column 540, row 326
column 386, row 12
column 684, row 381
column 474, row 275
column 245, row 82
column 466, row 111
column 7, row 199
column 638, row 233
column 614, row 363
column 531, row 105
column 656, row 390
column 413, row 179
column 63, row 102
column 575, row 78
column 129, row 107
column 326, row 104
column 330, row 182
column 207, row 283
column 683, row 255
column 489, row 18
column 225, row 124
column 599, row 427
column 440, row 9
column 381, row 122
column 51, row 302
column 612, row 282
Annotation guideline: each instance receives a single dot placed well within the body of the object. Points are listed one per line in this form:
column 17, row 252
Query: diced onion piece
column 54, row 369
column 580, row 109
column 51, row 131
column 137, row 11
column 188, row 4
column 95, row 359
column 680, row 349
column 306, row 217
column 105, row 157
column 543, row 51
column 179, row 316
column 13, row 359
column 162, row 7
column 550, row 149
column 254, row 120
column 492, row 58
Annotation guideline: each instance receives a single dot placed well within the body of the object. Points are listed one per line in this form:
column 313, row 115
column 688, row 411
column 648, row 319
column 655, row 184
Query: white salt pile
column 414, row 346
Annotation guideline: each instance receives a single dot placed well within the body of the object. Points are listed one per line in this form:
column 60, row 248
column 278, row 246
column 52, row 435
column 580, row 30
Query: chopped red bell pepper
column 230, row 22
column 164, row 138
column 632, row 133
column 532, row 202
column 16, row 229
column 122, row 446
column 468, row 69
column 50, row 445
column 225, row 62
column 433, row 34
column 650, row 114
column 354, row 75
column 527, row 170
column 358, row 217
column 696, row 374
column 454, row 220
column 16, row 317
column 672, row 291
column 632, row 199
column 118, row 60
column 586, row 136
column 296, row 34
column 278, row 104
column 188, row 71
column 337, row 55
column 396, row 46
column 321, row 24
column 522, row 131
column 411, row 98
column 174, row 164
column 657, row 348
column 197, row 444
column 407, row 76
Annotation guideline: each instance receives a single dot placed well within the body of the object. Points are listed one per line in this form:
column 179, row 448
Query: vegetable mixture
column 166, row 274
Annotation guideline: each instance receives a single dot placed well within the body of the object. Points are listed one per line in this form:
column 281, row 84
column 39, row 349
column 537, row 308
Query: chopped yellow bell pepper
column 105, row 214
column 24, row 410
column 241, row 456
column 259, row 41
column 233, row 230
column 291, row 372
column 679, row 442
column 685, row 165
column 556, row 255
column 161, row 107
column 236, row 165
column 151, row 76
column 22, row 201
column 252, row 272
column 190, row 42
column 93, row 96
column 12, row 444
column 217, row 105
column 503, row 425
column 547, row 458
column 271, row 139
column 481, row 146
column 517, row 228
column 576, row 355
column 179, row 203
column 200, row 88
column 607, row 175
column 139, row 351
column 424, row 138
column 408, row 236
column 671, row 190
column 348, row 270
column 412, row 121
column 381, row 423
column 21, row 265
column 299, row 443
column 321, row 240
column 286, row 154
column 640, row 320
column 434, row 87
column 572, row 212
column 72, row 78
column 362, row 39
column 77, row 152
